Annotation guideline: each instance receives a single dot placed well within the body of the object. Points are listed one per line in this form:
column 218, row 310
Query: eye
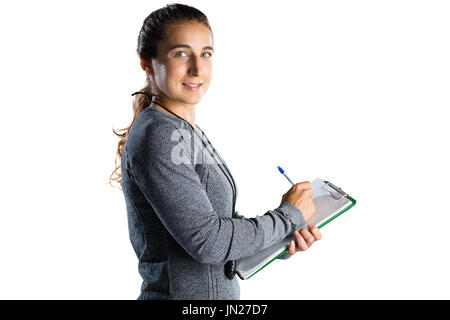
column 177, row 54
column 208, row 54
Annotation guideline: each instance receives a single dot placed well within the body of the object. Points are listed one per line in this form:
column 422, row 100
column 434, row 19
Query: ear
column 146, row 66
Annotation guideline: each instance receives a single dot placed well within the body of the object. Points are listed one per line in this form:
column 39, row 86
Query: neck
column 184, row 111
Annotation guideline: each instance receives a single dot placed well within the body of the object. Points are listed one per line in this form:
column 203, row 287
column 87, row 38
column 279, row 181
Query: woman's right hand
column 300, row 195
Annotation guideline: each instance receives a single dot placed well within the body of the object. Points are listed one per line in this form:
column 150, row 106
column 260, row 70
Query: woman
column 180, row 195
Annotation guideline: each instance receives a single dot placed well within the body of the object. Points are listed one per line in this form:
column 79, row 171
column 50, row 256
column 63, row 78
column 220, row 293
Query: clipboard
column 330, row 201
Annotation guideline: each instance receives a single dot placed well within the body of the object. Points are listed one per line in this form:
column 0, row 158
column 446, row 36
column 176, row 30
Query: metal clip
column 337, row 189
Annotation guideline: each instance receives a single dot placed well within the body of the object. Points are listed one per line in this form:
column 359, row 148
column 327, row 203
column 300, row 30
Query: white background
column 354, row 92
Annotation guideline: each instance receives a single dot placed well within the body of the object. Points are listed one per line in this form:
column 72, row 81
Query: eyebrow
column 189, row 47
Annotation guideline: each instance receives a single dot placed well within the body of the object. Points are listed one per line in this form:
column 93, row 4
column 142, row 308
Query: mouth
column 192, row 86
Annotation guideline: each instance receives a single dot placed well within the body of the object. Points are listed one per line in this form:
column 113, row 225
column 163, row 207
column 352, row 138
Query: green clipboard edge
column 326, row 222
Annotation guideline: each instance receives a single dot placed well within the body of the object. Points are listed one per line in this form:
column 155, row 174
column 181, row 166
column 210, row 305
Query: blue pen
column 284, row 174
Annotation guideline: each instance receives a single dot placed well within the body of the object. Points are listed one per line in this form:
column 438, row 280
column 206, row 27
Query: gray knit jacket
column 179, row 210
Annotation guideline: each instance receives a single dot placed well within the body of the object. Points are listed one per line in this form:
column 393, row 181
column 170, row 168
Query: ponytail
column 140, row 102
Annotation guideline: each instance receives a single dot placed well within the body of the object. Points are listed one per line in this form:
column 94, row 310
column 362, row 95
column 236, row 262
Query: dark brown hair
column 153, row 30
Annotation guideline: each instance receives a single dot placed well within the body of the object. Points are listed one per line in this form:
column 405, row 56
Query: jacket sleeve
column 176, row 194
column 284, row 256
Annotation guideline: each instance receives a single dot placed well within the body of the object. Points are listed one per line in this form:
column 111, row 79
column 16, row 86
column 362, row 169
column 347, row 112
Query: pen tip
column 281, row 170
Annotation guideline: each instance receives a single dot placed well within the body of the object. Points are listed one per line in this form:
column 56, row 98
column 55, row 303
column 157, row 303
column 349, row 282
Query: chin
column 193, row 100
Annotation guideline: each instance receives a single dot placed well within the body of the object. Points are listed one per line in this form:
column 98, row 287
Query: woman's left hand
column 304, row 239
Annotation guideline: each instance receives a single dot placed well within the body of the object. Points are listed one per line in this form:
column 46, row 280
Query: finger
column 309, row 239
column 292, row 248
column 315, row 232
column 303, row 185
column 301, row 244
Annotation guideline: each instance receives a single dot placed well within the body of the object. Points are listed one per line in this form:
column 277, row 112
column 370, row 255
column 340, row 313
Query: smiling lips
column 192, row 86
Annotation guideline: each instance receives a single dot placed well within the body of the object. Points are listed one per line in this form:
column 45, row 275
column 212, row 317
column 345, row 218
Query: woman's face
column 183, row 68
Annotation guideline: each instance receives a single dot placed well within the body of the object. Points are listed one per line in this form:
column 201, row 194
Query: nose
column 195, row 68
